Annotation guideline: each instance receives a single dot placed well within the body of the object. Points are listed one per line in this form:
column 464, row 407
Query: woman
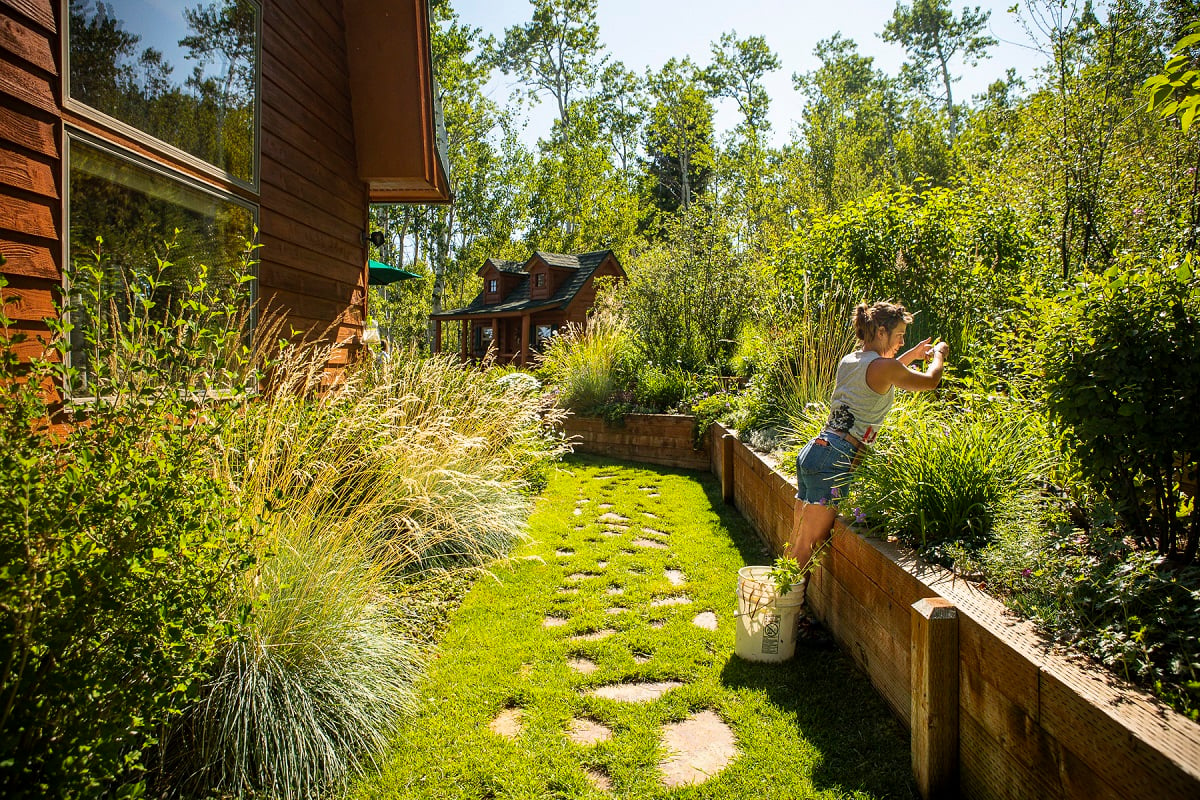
column 862, row 395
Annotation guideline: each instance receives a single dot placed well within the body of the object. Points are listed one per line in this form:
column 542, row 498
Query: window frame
column 152, row 143
column 493, row 286
column 138, row 161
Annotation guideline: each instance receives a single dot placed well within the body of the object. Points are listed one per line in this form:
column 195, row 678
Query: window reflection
column 136, row 212
column 185, row 75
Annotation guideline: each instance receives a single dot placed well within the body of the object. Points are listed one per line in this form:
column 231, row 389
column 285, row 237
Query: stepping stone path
column 587, row 732
column 508, row 723
column 696, row 748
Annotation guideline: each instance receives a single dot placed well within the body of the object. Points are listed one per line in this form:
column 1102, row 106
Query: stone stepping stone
column 673, row 600
column 640, row 658
column 563, row 552
column 614, row 590
column 642, row 541
column 598, row 779
column 582, row 665
column 635, row 569
column 606, row 506
column 609, row 516
column 640, row 692
column 568, row 590
column 658, row 624
column 615, row 610
column 587, row 732
column 508, row 723
column 706, row 620
column 578, row 576
column 649, row 515
column 582, row 501
column 594, row 636
column 577, row 511
column 697, row 749
column 601, row 564
column 653, row 494
column 647, row 488
column 675, row 577
column 653, row 532
column 554, row 622
column 611, row 532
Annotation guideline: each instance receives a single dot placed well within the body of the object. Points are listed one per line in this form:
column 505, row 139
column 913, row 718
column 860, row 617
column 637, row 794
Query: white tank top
column 856, row 408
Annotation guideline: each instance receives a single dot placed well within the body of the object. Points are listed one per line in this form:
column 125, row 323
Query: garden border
column 1032, row 719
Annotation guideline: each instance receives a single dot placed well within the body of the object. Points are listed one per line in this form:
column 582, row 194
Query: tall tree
column 849, row 123
column 737, row 72
column 679, row 135
column 932, row 36
column 554, row 53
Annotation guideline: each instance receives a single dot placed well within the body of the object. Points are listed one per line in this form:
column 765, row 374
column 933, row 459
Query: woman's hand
column 919, row 352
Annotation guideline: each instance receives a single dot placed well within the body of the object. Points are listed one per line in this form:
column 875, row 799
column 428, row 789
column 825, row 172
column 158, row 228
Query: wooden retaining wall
column 663, row 439
column 1025, row 720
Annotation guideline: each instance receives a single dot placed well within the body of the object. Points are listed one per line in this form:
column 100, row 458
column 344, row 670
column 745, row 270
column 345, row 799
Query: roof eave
column 399, row 133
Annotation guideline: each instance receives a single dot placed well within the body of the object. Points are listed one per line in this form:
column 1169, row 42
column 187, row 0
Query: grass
column 808, row 728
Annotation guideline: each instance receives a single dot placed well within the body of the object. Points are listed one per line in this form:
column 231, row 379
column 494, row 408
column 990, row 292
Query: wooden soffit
column 398, row 129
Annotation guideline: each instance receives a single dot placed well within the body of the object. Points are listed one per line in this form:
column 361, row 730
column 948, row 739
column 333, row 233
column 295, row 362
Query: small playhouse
column 523, row 304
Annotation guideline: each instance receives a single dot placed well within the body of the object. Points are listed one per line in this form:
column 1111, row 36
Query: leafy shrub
column 663, row 388
column 119, row 549
column 1122, row 377
column 944, row 253
column 941, row 478
column 707, row 409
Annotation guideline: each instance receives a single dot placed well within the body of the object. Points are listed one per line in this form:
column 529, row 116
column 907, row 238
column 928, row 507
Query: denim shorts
column 823, row 470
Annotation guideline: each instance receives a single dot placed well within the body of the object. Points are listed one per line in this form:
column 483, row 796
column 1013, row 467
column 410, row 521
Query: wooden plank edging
column 1058, row 725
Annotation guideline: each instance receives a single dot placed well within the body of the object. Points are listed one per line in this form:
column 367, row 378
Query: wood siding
column 30, row 165
column 313, row 206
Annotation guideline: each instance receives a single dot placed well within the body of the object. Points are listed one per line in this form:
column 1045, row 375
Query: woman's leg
column 811, row 526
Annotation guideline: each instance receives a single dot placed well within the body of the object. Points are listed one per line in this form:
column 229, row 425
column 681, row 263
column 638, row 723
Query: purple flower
column 1025, row 573
column 859, row 516
column 1139, row 211
column 835, row 492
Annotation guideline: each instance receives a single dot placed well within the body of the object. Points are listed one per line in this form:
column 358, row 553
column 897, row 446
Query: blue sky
column 645, row 33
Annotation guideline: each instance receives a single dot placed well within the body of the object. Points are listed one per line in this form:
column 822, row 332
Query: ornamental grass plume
column 359, row 487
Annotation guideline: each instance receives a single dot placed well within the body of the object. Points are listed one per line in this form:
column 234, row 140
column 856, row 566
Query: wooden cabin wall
column 313, row 206
column 30, row 165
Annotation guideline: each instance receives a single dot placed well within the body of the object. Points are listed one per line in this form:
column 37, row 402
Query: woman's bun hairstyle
column 868, row 318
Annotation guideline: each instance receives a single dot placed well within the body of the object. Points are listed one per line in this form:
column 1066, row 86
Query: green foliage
column 119, row 548
column 949, row 256
column 589, row 368
column 941, row 477
column 1122, row 377
column 689, row 295
column 707, row 409
column 1176, row 90
column 664, row 388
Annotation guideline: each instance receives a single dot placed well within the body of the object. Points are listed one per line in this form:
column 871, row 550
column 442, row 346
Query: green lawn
column 812, row 727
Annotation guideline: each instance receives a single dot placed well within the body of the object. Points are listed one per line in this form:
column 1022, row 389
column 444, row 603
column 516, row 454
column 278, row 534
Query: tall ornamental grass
column 589, row 367
column 942, row 476
column 358, row 490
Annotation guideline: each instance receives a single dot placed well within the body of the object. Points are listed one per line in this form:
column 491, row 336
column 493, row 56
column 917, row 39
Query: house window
column 483, row 338
column 493, row 286
column 136, row 208
column 184, row 74
column 542, row 335
column 539, row 280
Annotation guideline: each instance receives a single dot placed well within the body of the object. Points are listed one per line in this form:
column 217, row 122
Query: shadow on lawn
column 838, row 712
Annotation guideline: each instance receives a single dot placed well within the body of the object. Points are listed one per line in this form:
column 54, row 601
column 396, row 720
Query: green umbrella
column 381, row 274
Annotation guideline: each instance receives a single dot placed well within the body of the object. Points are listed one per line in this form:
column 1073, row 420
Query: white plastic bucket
column 766, row 620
